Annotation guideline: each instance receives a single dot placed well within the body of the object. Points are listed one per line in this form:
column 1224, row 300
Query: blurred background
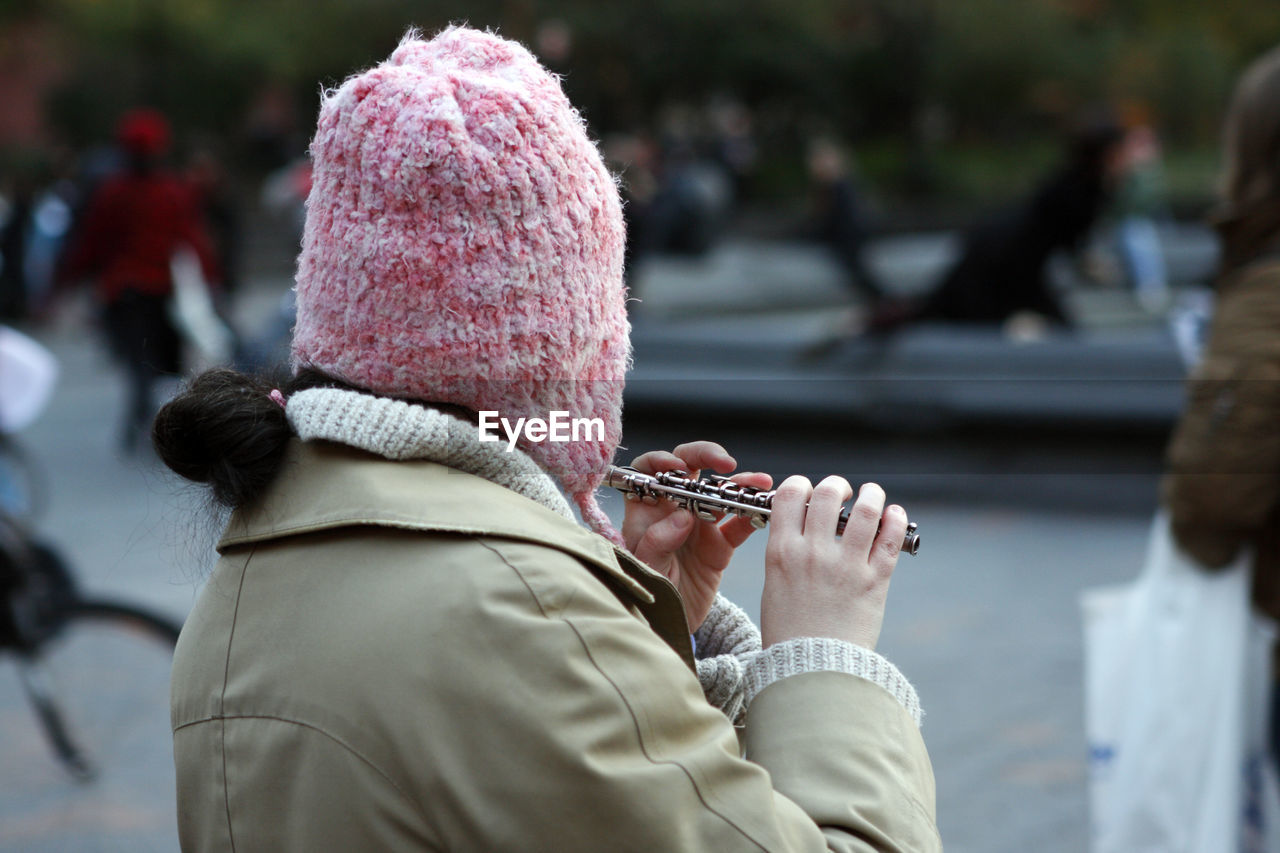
column 958, row 248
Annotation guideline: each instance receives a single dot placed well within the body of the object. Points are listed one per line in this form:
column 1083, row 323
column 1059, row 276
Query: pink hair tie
column 277, row 397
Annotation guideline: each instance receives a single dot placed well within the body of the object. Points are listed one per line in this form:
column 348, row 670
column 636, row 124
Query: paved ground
column 984, row 621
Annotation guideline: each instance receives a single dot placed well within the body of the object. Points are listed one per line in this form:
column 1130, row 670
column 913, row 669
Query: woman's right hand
column 818, row 584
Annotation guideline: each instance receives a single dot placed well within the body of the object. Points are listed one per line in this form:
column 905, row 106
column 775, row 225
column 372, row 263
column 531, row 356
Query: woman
column 1223, row 486
column 408, row 643
column 1002, row 269
column 133, row 226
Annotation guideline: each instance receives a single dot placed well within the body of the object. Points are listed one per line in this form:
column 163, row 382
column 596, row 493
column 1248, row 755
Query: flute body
column 715, row 494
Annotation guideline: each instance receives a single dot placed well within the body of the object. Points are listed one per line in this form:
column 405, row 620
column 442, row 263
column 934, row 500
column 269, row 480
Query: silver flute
column 712, row 494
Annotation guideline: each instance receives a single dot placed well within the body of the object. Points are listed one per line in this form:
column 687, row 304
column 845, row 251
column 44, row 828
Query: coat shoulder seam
column 222, row 718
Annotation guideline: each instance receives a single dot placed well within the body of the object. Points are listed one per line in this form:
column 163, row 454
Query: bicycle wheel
column 99, row 690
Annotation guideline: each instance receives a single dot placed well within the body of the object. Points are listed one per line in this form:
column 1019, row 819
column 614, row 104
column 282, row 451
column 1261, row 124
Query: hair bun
column 226, row 431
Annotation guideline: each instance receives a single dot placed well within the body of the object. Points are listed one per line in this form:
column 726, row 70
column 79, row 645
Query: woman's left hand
column 691, row 553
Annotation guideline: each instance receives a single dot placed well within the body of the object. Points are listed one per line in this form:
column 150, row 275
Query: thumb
column 664, row 538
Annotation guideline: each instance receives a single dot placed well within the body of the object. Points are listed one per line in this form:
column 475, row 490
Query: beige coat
column 397, row 656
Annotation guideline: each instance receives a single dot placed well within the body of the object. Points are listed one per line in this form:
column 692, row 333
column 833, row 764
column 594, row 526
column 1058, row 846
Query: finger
column 663, row 538
column 753, row 479
column 864, row 518
column 888, row 543
column 658, row 460
column 736, row 530
column 638, row 516
column 788, row 505
column 692, row 457
column 828, row 499
column 705, row 454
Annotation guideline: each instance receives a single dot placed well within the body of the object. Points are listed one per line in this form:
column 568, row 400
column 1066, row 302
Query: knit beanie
column 463, row 245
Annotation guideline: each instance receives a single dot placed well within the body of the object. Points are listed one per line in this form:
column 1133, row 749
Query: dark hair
column 1092, row 138
column 224, row 430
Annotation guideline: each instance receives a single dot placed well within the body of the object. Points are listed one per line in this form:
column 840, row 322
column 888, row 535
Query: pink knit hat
column 464, row 244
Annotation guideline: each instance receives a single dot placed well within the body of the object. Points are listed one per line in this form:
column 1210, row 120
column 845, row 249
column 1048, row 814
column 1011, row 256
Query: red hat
column 144, row 132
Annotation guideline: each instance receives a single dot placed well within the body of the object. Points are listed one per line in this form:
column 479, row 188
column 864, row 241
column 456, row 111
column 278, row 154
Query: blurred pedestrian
column 55, row 208
column 284, row 193
column 15, row 233
column 838, row 220
column 733, row 143
column 1139, row 203
column 217, row 206
column 1002, row 270
column 409, row 643
column 1222, row 489
column 633, row 157
column 692, row 197
column 134, row 225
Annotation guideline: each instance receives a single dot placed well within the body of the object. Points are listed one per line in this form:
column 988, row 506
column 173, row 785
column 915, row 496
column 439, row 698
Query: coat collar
column 397, row 429
column 323, row 486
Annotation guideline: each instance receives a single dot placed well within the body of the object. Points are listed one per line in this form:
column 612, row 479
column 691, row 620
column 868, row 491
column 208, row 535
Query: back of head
column 1251, row 180
column 143, row 135
column 464, row 244
column 1093, row 141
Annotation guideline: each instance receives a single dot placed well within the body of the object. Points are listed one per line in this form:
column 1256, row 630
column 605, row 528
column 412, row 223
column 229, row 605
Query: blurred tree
column 915, row 72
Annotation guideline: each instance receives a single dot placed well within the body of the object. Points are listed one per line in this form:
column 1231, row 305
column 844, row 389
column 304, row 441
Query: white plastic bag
column 28, row 373
column 193, row 313
column 1176, row 690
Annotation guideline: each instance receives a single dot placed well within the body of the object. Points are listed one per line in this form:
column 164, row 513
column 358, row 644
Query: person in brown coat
column 1222, row 488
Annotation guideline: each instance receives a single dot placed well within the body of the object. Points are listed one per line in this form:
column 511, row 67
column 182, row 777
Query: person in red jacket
column 133, row 225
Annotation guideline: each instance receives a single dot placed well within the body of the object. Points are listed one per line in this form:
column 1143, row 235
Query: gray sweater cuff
column 812, row 654
column 724, row 642
column 723, row 685
column 727, row 630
